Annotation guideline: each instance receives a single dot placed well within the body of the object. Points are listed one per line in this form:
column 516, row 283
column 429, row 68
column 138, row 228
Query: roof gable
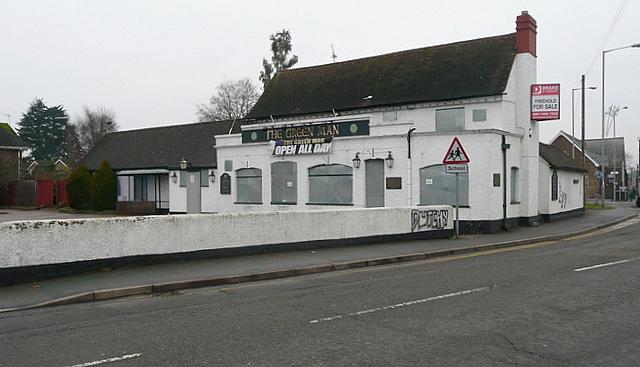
column 9, row 138
column 161, row 147
column 467, row 69
column 576, row 143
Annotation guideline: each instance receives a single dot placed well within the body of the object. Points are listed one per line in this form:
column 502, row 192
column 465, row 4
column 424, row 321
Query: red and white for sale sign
column 545, row 102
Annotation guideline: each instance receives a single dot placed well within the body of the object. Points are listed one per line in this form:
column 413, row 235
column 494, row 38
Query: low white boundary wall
column 34, row 243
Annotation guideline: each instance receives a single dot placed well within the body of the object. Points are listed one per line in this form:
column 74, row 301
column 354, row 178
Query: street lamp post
column 604, row 53
column 573, row 121
column 638, row 172
column 613, row 112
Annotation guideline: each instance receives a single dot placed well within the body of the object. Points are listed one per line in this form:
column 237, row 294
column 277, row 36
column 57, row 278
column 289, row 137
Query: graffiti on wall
column 429, row 219
column 562, row 197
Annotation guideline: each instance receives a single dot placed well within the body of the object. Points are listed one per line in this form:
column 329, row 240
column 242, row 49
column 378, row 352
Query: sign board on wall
column 302, row 146
column 298, row 134
column 545, row 102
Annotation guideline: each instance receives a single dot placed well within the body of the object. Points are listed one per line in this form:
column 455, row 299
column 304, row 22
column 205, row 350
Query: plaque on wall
column 394, row 183
column 225, row 184
column 496, row 180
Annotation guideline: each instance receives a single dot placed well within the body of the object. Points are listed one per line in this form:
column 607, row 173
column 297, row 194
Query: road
column 571, row 303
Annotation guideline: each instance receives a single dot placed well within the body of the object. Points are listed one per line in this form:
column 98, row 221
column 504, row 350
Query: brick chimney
column 526, row 30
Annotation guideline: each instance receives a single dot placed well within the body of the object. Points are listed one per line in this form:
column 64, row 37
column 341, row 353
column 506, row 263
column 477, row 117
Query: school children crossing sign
column 455, row 161
column 456, row 154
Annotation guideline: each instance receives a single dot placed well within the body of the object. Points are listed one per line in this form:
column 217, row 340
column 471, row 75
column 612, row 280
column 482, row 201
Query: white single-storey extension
column 162, row 169
column 561, row 182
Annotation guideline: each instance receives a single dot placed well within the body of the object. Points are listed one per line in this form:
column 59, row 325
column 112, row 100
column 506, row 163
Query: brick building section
column 9, row 165
column 592, row 184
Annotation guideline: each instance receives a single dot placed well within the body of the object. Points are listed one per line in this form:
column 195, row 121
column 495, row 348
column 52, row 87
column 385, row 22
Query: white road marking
column 109, row 360
column 606, row 264
column 399, row 305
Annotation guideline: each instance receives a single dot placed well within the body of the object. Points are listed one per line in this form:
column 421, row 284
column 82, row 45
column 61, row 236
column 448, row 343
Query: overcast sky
column 153, row 61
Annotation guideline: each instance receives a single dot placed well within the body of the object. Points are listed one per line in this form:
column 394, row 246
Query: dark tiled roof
column 594, row 149
column 558, row 160
column 9, row 138
column 160, row 147
column 594, row 146
column 466, row 69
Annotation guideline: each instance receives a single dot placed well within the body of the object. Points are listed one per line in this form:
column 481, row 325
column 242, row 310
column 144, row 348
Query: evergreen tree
column 78, row 188
column 43, row 128
column 281, row 46
column 103, row 188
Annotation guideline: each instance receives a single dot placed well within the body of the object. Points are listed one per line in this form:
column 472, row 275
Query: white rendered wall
column 63, row 241
column 209, row 194
column 517, row 105
column 480, row 139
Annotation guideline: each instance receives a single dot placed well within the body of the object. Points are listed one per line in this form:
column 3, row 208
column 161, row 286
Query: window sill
column 248, row 203
column 329, row 204
column 283, row 203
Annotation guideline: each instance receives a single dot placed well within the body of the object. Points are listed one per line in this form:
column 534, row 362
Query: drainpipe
column 504, row 148
column 409, row 169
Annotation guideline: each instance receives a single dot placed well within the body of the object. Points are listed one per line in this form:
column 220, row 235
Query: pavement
column 153, row 279
column 10, row 215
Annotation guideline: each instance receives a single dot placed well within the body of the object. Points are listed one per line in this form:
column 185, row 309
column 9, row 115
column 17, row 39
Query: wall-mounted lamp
column 389, row 160
column 183, row 164
column 212, row 176
column 174, row 177
column 356, row 161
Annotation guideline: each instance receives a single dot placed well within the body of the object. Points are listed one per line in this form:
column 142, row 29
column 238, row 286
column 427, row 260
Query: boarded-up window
column 225, row 184
column 284, row 185
column 450, row 119
column 183, row 178
column 204, row 178
column 515, row 185
column 331, row 184
column 439, row 188
column 249, row 182
column 479, row 115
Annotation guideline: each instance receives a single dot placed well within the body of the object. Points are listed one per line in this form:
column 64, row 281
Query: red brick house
column 11, row 148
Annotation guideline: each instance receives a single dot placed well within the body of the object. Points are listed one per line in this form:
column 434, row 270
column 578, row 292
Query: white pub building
column 367, row 133
column 373, row 132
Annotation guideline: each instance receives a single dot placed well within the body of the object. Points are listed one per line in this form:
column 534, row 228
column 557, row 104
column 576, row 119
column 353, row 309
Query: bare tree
column 232, row 100
column 94, row 125
column 74, row 152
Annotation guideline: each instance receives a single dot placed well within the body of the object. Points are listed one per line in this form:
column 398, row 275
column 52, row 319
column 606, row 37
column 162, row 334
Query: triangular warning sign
column 455, row 153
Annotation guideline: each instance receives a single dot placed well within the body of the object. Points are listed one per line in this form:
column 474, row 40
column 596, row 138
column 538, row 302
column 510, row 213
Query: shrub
column 103, row 188
column 78, row 188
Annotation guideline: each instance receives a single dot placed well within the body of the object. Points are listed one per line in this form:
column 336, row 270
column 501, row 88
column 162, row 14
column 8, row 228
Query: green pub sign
column 292, row 134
